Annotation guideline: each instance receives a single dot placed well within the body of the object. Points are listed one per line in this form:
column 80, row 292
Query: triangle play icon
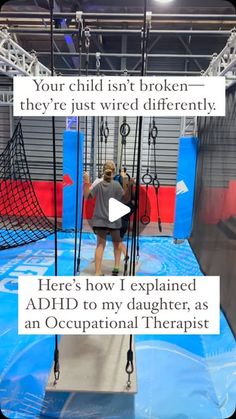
column 117, row 210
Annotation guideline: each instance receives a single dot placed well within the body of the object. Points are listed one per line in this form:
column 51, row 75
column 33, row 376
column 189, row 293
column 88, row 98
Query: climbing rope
column 87, row 35
column 149, row 179
column 124, row 132
column 135, row 230
column 155, row 181
column 56, row 350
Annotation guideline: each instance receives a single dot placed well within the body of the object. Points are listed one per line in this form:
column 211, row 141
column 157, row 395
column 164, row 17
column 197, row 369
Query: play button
column 117, row 210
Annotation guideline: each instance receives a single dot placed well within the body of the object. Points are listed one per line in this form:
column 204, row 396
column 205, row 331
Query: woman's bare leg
column 101, row 244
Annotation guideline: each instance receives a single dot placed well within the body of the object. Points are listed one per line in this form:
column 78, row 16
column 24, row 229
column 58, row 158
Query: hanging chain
column 98, row 62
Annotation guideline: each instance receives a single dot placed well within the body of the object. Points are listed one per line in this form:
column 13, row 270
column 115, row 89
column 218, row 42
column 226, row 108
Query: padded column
column 187, row 161
column 70, row 159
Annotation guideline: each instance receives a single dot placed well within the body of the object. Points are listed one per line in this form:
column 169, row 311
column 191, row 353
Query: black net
column 214, row 228
column 21, row 217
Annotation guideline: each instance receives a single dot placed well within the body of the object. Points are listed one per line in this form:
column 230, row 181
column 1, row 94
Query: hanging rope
column 56, row 367
column 130, row 365
column 147, row 180
column 87, row 46
column 155, row 182
column 135, row 231
column 99, row 164
column 124, row 132
column 106, row 135
column 80, row 41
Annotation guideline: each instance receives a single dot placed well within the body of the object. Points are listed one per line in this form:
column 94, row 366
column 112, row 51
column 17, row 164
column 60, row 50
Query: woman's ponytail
column 107, row 175
column 108, row 170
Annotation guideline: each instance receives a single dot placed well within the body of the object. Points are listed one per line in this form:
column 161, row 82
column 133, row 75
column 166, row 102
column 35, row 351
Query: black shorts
column 104, row 231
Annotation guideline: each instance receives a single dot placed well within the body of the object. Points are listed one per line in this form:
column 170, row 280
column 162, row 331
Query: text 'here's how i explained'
column 114, row 96
column 91, row 305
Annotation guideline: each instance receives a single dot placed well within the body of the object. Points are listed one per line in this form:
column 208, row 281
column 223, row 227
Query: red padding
column 44, row 193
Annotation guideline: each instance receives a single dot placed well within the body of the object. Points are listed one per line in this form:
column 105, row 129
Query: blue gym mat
column 179, row 377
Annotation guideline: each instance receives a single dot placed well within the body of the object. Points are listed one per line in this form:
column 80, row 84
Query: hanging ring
column 106, row 132
column 147, row 179
column 124, row 129
column 156, row 183
column 145, row 219
column 154, row 132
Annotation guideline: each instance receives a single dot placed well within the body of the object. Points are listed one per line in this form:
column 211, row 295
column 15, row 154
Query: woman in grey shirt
column 104, row 190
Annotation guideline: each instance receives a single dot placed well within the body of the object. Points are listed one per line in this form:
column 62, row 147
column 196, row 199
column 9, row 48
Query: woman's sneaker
column 115, row 272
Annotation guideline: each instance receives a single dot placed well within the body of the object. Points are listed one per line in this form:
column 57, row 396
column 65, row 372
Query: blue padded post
column 69, row 177
column 187, row 161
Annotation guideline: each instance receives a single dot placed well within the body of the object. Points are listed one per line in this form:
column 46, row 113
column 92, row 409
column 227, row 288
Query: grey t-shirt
column 103, row 192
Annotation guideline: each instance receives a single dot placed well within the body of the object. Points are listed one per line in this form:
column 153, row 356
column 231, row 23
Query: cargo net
column 22, row 220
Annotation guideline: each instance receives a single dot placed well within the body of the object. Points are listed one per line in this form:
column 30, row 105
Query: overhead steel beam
column 105, row 71
column 48, row 24
column 127, row 55
column 122, row 16
column 187, row 48
column 102, row 31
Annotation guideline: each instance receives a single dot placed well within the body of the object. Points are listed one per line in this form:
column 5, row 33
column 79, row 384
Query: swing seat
column 107, row 267
column 92, row 363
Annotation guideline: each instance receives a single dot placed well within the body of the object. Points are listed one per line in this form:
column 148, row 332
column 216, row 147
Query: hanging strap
column 156, row 183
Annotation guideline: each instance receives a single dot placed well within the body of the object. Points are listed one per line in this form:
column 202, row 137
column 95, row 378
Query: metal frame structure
column 14, row 60
column 224, row 64
column 6, row 97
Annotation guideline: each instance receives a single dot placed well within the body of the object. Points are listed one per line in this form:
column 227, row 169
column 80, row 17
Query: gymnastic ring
column 124, row 129
column 145, row 219
column 147, row 179
column 106, row 132
column 156, row 183
column 154, row 132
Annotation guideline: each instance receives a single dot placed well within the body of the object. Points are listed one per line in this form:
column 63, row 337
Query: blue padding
column 185, row 187
column 69, row 177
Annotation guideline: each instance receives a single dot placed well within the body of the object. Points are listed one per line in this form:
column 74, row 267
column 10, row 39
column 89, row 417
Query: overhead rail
column 118, row 16
column 106, row 31
column 16, row 61
column 126, row 55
